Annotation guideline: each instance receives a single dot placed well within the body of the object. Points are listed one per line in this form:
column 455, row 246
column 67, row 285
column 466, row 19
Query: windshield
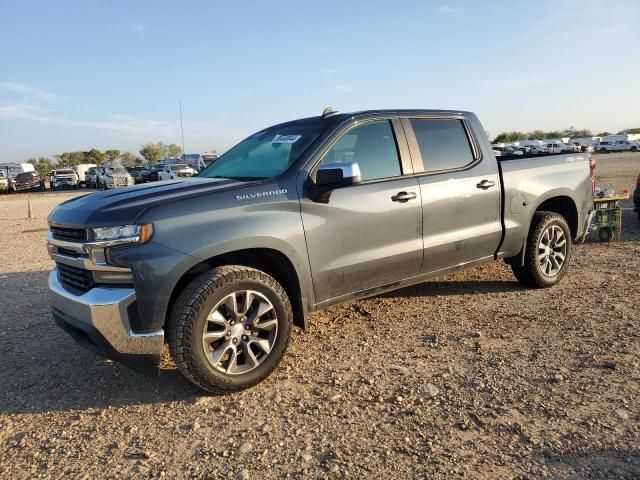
column 118, row 170
column 265, row 154
column 179, row 166
column 25, row 176
column 65, row 172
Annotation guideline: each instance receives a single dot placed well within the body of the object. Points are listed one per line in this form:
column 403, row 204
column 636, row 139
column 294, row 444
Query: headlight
column 124, row 233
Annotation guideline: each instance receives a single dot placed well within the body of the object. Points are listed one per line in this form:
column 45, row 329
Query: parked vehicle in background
column 526, row 150
column 536, row 146
column 582, row 147
column 91, row 177
column 136, row 173
column 154, row 171
column 12, row 170
column 617, row 146
column 28, row 181
column 177, row 170
column 636, row 198
column 115, row 177
column 296, row 218
column 506, row 150
column 82, row 171
column 4, row 182
column 64, row 178
column 558, row 147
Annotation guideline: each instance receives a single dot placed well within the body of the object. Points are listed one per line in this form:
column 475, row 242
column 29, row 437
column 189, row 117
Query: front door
column 366, row 235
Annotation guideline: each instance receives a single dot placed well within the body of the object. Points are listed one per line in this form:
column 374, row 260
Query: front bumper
column 99, row 320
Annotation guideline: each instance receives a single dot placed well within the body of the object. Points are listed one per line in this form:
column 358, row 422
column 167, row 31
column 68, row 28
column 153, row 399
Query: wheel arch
column 560, row 203
column 269, row 260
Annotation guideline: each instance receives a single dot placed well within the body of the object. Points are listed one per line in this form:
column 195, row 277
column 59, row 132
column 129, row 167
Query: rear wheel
column 605, row 234
column 548, row 251
column 229, row 328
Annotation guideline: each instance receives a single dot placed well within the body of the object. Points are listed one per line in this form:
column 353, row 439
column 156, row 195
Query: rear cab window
column 443, row 144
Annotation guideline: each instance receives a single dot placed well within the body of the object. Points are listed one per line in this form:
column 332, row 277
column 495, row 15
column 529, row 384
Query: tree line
column 570, row 132
column 149, row 153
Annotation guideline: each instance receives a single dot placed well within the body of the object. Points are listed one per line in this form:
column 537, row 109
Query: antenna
column 184, row 152
column 328, row 112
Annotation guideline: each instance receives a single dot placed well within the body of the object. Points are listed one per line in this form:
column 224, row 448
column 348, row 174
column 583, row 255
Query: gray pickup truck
column 295, row 218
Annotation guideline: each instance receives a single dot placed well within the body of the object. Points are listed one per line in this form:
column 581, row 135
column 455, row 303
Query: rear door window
column 443, row 144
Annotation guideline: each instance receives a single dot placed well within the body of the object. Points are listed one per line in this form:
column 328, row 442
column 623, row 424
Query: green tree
column 112, row 155
column 536, row 135
column 42, row 165
column 94, row 156
column 631, row 130
column 128, row 159
column 153, row 152
column 172, row 150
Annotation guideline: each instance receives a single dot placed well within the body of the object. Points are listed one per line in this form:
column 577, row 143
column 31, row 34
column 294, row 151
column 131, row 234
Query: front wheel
column 229, row 328
column 548, row 251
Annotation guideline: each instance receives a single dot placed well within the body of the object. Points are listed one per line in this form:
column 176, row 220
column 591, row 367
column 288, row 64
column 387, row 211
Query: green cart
column 607, row 218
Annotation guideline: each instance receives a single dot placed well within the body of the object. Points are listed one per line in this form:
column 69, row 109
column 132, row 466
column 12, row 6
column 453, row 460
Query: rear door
column 370, row 234
column 460, row 193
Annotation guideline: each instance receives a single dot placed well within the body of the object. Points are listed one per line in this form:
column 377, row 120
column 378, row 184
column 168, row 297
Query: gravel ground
column 469, row 375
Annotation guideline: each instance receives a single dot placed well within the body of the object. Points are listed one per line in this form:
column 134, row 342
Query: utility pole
column 184, row 152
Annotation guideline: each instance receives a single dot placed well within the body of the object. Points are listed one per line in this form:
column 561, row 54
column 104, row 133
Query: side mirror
column 338, row 175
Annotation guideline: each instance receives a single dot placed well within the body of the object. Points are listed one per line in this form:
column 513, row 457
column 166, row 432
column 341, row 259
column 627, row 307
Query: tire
column 606, row 234
column 634, row 149
column 532, row 273
column 209, row 293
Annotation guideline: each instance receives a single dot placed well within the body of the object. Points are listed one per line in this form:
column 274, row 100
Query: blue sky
column 109, row 73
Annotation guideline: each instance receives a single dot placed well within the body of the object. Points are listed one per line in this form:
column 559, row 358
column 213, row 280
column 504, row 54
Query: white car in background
column 83, row 177
column 617, row 146
column 113, row 177
column 176, row 170
column 535, row 146
column 63, row 178
column 559, row 147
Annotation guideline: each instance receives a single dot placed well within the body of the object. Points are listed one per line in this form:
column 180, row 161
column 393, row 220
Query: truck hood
column 123, row 206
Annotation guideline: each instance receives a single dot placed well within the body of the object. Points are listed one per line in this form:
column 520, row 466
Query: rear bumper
column 99, row 321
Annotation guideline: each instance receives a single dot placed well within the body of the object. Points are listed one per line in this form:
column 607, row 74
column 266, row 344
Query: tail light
column 592, row 167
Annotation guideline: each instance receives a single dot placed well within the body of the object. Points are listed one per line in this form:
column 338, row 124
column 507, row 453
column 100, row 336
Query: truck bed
column 530, row 180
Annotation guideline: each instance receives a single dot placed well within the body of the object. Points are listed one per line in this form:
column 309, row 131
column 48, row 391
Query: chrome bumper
column 99, row 320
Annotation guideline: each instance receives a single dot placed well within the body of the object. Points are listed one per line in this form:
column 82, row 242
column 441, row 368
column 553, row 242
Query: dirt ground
column 469, row 375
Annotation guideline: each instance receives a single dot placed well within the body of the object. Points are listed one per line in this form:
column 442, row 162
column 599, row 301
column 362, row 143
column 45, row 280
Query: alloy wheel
column 240, row 332
column 552, row 250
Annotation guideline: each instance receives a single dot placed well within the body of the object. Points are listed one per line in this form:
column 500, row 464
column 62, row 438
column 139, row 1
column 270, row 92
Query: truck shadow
column 436, row 288
column 609, row 463
column 43, row 369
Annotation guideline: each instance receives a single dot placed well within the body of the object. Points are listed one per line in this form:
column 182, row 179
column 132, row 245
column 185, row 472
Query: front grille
column 75, row 278
column 70, row 234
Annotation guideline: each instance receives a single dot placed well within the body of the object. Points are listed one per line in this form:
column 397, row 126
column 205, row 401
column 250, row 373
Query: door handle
column 484, row 184
column 403, row 197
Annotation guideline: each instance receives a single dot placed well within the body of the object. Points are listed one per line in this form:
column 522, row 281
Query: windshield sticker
column 286, row 138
